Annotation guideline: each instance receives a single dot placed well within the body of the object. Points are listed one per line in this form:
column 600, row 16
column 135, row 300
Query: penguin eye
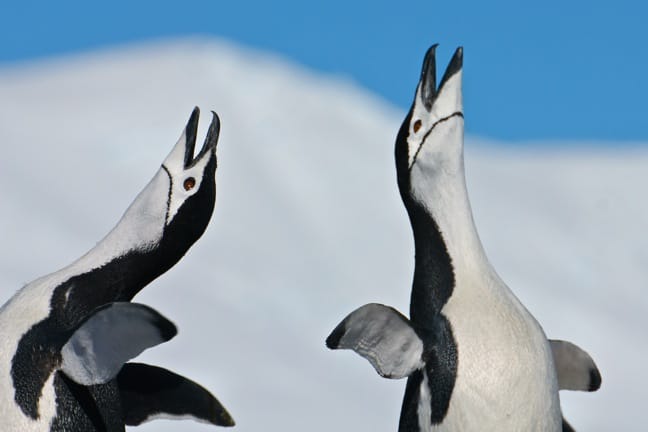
column 417, row 125
column 189, row 183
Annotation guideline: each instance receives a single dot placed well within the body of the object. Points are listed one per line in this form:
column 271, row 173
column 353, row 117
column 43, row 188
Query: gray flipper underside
column 149, row 392
column 383, row 336
column 575, row 368
column 109, row 337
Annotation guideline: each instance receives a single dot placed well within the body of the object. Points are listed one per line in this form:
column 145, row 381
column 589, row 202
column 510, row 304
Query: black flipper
column 149, row 392
column 566, row 427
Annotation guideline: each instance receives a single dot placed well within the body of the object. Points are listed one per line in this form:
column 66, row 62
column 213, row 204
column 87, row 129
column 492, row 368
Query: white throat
column 438, row 184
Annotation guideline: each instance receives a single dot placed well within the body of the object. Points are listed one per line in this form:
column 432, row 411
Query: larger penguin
column 474, row 357
column 67, row 335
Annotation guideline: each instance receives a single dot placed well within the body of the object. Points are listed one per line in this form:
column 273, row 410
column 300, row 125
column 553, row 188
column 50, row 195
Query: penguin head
column 173, row 210
column 430, row 140
column 167, row 216
column 191, row 183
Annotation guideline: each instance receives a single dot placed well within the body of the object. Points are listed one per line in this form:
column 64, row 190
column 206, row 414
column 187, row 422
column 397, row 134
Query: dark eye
column 189, row 183
column 417, row 125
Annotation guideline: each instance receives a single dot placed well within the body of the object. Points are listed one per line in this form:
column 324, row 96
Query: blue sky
column 569, row 69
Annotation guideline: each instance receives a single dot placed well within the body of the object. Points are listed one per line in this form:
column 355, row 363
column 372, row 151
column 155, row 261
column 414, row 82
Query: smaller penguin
column 67, row 336
column 473, row 355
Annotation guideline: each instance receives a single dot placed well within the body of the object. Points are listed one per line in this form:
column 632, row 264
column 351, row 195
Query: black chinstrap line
column 441, row 120
column 166, row 216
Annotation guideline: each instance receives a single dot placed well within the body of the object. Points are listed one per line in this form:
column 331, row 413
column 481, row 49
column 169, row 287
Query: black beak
column 427, row 84
column 455, row 65
column 191, row 132
column 428, row 78
column 211, row 140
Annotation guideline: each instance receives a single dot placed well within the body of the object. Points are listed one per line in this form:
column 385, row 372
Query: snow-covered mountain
column 309, row 225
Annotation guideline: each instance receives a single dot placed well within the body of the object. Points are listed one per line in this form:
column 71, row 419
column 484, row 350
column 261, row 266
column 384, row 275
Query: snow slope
column 309, row 225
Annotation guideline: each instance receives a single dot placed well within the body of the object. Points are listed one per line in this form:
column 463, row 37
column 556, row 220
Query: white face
column 180, row 177
column 435, row 137
column 184, row 181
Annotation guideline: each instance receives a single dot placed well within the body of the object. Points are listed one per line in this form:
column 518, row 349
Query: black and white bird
column 474, row 357
column 67, row 336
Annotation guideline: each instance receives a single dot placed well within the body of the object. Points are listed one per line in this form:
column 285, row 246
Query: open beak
column 211, row 140
column 428, row 90
column 183, row 152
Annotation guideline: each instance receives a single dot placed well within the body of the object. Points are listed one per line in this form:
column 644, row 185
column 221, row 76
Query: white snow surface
column 309, row 226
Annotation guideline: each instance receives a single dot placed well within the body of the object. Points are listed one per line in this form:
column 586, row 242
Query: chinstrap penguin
column 67, row 336
column 474, row 357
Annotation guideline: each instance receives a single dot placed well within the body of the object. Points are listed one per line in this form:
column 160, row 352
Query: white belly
column 506, row 379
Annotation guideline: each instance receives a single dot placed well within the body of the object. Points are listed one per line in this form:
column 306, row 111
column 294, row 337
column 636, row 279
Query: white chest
column 506, row 378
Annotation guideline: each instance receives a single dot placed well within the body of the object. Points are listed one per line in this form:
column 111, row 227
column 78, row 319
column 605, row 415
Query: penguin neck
column 447, row 245
column 141, row 227
column 126, row 259
column 142, row 246
column 453, row 215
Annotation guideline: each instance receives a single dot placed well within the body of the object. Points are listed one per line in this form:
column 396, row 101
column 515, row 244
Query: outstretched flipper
column 149, row 392
column 109, row 337
column 383, row 336
column 575, row 368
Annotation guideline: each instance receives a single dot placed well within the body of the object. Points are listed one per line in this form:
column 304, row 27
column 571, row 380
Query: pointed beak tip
column 211, row 140
column 427, row 84
column 195, row 115
column 191, row 130
column 457, row 59
column 216, row 120
column 192, row 123
column 430, row 55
